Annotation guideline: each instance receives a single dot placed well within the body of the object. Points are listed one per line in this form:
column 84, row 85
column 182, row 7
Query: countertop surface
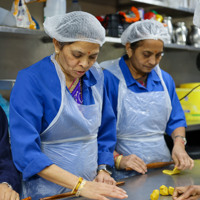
column 141, row 186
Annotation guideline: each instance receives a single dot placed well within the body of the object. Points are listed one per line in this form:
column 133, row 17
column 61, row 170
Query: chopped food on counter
column 171, row 172
column 155, row 195
column 164, row 190
column 171, row 190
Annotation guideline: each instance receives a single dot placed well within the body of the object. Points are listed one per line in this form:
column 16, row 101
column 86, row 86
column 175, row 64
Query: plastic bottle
column 55, row 7
column 75, row 6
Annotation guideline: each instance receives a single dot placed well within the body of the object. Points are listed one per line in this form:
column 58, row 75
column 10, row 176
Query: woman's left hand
column 104, row 177
column 181, row 158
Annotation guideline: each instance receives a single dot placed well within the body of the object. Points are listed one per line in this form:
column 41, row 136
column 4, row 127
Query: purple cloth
column 76, row 93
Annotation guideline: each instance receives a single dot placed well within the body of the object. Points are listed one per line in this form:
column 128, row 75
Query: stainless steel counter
column 141, row 186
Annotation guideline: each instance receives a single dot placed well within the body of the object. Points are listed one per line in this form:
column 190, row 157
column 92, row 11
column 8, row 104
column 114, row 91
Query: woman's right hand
column 134, row 162
column 99, row 191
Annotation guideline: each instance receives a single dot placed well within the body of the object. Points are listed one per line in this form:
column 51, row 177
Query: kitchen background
column 20, row 48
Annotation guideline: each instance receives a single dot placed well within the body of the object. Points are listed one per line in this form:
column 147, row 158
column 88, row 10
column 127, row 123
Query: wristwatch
column 183, row 138
column 105, row 168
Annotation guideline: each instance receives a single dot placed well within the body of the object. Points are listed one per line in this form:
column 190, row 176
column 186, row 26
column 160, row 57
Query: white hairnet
column 146, row 29
column 196, row 18
column 75, row 26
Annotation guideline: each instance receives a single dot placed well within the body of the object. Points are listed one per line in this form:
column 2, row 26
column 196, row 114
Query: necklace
column 73, row 85
column 142, row 80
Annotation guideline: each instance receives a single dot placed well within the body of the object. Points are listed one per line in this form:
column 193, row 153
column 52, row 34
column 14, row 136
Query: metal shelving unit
column 163, row 4
column 169, row 46
column 42, row 34
column 193, row 127
column 159, row 5
column 6, row 84
column 17, row 30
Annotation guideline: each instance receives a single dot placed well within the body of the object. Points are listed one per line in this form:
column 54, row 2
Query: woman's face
column 76, row 58
column 145, row 57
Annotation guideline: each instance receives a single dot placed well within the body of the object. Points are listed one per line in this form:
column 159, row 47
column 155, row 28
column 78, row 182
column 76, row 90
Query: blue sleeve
column 111, row 83
column 26, row 111
column 8, row 172
column 177, row 117
column 107, row 133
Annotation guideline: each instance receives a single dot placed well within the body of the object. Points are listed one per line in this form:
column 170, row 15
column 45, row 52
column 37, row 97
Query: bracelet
column 76, row 187
column 116, row 156
column 184, row 141
column 80, row 188
column 118, row 160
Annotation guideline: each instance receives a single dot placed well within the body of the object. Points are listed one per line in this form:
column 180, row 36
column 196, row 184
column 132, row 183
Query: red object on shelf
column 149, row 15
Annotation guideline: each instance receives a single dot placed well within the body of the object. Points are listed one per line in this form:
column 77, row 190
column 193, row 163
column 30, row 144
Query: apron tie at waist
column 152, row 137
column 70, row 140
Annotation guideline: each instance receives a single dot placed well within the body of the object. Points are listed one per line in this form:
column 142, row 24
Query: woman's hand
column 191, row 192
column 7, row 193
column 104, row 177
column 134, row 162
column 180, row 156
column 100, row 191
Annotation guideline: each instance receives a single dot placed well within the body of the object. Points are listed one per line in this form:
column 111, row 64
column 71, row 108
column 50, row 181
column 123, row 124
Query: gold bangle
column 118, row 160
column 80, row 188
column 75, row 189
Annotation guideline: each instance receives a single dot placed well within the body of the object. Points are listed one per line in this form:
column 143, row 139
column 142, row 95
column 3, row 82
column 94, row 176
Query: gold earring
column 57, row 52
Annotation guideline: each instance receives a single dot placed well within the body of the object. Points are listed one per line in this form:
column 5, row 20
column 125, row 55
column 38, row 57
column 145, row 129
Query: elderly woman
column 61, row 122
column 144, row 101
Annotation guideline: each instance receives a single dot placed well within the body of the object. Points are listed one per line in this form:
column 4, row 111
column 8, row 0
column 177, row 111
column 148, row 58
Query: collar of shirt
column 152, row 79
column 89, row 79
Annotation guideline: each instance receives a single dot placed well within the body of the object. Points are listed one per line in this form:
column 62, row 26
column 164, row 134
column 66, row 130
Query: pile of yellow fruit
column 164, row 190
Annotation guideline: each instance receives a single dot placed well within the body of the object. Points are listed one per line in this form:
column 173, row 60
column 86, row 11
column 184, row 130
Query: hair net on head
column 75, row 26
column 143, row 30
column 196, row 18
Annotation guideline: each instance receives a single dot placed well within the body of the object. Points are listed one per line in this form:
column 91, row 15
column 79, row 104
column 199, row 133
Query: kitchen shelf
column 113, row 40
column 164, row 5
column 194, row 127
column 18, row 30
column 169, row 46
column 158, row 5
column 6, row 84
column 183, row 47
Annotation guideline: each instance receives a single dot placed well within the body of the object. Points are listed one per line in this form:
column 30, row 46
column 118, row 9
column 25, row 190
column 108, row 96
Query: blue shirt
column 8, row 172
column 35, row 101
column 177, row 117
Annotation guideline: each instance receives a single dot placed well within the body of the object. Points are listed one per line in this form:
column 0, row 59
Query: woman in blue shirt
column 61, row 122
column 145, row 103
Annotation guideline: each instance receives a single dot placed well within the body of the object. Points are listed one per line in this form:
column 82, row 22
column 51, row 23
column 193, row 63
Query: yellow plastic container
column 191, row 103
column 190, row 85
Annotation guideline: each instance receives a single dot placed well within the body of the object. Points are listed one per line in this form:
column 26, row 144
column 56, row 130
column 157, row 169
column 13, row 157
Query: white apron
column 70, row 141
column 141, row 119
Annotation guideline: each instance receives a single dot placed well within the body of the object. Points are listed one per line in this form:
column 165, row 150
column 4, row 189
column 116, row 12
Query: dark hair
column 135, row 45
column 62, row 44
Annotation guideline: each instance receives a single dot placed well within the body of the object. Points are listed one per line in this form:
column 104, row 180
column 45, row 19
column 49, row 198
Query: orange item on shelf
column 131, row 19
